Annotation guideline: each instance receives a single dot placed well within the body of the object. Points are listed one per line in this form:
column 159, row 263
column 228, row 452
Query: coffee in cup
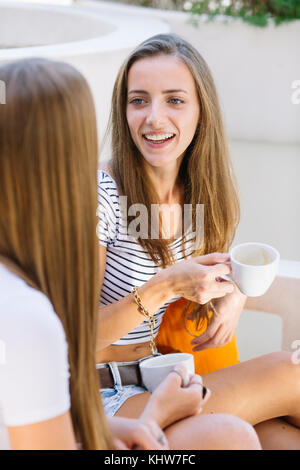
column 254, row 267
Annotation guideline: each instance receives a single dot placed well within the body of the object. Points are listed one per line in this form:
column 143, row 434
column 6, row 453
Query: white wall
column 35, row 25
column 268, row 177
column 258, row 334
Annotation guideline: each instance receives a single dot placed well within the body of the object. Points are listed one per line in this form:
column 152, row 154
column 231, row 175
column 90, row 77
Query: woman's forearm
column 194, row 279
column 118, row 318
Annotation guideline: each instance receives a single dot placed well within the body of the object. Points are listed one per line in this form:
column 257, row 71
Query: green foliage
column 255, row 12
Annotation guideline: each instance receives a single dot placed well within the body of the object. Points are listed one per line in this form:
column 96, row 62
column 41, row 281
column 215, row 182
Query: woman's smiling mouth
column 158, row 140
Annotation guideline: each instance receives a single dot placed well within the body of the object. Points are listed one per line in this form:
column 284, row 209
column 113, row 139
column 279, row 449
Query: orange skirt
column 172, row 337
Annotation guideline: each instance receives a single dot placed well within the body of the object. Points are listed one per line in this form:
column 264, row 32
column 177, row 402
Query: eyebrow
column 177, row 90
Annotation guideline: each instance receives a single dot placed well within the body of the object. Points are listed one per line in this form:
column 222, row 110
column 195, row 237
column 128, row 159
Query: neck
column 165, row 181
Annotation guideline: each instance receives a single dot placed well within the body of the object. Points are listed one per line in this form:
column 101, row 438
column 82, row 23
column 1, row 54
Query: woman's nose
column 156, row 117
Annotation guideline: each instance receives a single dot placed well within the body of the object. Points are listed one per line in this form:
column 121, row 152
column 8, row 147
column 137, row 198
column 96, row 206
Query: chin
column 159, row 161
column 158, row 164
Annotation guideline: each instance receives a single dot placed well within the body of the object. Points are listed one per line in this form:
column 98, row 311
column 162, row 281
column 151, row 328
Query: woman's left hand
column 222, row 327
column 137, row 434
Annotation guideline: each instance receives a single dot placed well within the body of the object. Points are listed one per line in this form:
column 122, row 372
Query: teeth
column 157, row 137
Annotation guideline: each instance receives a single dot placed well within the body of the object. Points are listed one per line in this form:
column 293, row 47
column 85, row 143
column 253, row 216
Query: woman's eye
column 137, row 101
column 176, row 101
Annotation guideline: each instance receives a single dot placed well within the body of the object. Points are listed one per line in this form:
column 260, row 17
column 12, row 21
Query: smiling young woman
column 169, row 148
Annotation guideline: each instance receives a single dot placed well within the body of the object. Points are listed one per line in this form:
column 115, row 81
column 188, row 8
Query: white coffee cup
column 254, row 267
column 155, row 369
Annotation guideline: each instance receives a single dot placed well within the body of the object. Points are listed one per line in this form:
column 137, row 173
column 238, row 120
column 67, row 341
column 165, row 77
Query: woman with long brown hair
column 169, row 153
column 49, row 270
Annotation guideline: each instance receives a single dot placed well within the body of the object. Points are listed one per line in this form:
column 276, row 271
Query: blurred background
column 253, row 50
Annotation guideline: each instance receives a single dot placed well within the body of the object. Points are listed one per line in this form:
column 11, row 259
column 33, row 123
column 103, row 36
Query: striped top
column 128, row 265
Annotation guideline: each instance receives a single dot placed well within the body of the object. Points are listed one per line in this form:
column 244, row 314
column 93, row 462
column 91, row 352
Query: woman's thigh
column 134, row 406
column 254, row 390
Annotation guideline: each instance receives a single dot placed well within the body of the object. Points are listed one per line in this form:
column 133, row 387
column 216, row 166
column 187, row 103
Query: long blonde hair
column 48, row 168
column 206, row 171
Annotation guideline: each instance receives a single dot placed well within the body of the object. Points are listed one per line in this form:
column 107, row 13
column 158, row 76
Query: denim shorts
column 113, row 398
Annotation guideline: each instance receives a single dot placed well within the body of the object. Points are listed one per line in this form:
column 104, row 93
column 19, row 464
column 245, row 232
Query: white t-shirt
column 34, row 368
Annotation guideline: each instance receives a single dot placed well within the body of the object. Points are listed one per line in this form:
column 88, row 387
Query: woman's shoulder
column 108, row 191
column 27, row 310
column 34, row 367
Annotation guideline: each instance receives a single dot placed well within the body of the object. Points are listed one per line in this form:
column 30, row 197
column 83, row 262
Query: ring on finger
column 204, row 389
column 161, row 438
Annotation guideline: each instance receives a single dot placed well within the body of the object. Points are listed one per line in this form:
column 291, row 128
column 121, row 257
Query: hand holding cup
column 254, row 267
column 179, row 395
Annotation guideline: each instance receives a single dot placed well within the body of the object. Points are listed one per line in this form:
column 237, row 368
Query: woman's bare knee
column 237, row 434
column 213, row 432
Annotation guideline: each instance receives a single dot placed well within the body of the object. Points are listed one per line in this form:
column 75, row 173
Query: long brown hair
column 48, row 168
column 206, row 171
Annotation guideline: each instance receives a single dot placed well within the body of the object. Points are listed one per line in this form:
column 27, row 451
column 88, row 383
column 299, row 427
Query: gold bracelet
column 150, row 317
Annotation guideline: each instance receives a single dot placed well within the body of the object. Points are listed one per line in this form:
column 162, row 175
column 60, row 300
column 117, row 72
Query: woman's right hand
column 136, row 434
column 171, row 402
column 196, row 279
